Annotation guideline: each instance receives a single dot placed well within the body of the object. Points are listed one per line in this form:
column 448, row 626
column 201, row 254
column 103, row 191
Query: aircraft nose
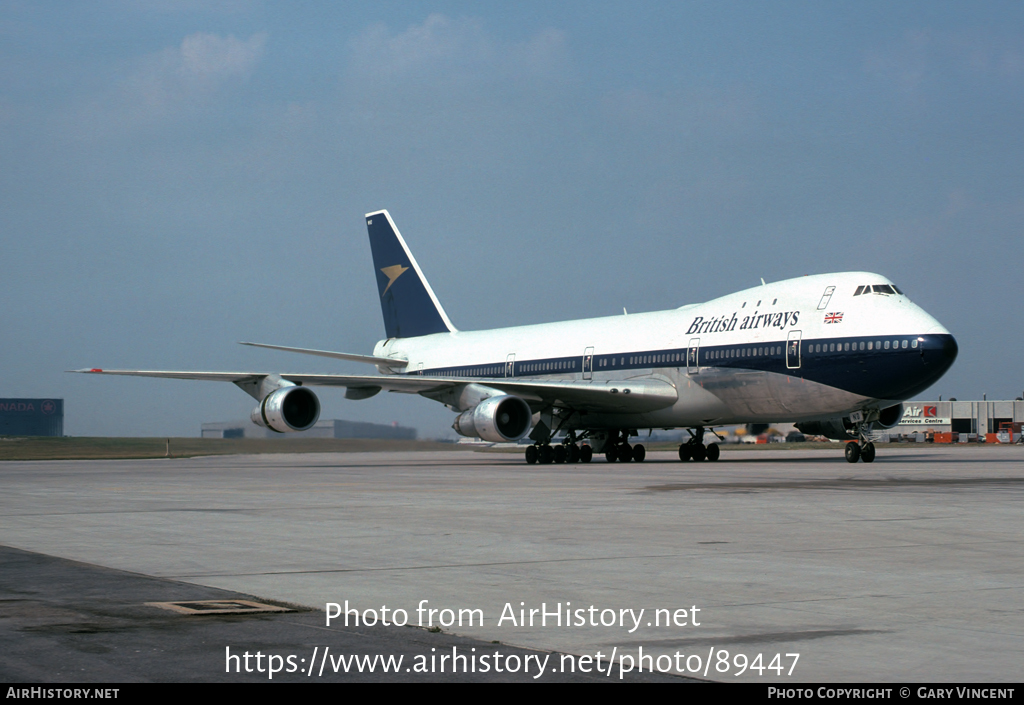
column 949, row 350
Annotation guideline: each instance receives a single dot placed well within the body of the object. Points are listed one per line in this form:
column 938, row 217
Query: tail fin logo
column 392, row 273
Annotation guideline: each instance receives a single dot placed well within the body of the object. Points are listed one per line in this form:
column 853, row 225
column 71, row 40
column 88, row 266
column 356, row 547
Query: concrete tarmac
column 907, row 569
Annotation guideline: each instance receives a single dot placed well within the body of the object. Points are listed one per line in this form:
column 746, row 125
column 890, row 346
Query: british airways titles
column 721, row 324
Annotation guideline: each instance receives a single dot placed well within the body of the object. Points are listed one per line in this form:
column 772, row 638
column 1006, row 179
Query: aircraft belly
column 755, row 395
column 716, row 396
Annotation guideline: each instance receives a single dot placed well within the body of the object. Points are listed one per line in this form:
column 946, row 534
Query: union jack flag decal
column 833, row 318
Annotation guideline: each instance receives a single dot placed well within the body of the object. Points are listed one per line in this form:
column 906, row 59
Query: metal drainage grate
column 218, row 607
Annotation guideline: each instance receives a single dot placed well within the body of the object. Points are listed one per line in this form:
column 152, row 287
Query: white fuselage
column 752, row 356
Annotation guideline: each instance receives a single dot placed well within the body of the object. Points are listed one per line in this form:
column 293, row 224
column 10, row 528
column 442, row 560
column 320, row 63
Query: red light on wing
column 95, row 369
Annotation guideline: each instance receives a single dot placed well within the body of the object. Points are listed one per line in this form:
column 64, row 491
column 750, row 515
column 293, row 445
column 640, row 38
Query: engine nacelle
column 287, row 410
column 889, row 417
column 497, row 419
column 842, row 429
column 838, row 429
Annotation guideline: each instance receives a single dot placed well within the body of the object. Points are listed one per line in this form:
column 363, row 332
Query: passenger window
column 887, row 345
column 913, row 344
column 904, row 346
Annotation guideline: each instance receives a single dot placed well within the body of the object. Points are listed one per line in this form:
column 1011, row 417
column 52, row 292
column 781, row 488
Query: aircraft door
column 510, row 365
column 588, row 363
column 793, row 350
column 825, row 297
column 693, row 356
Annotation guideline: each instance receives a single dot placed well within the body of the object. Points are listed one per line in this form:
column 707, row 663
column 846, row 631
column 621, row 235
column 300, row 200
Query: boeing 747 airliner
column 835, row 353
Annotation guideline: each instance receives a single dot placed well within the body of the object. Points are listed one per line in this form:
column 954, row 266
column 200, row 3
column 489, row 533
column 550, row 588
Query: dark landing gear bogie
column 573, row 450
column 618, row 449
column 698, row 452
column 695, row 450
column 545, row 453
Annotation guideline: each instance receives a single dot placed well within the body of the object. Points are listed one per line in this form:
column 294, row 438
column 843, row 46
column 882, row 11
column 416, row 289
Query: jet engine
column 497, row 419
column 841, row 429
column 287, row 409
column 889, row 417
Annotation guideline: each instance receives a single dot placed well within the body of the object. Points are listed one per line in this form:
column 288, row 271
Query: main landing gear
column 572, row 450
column 568, row 451
column 694, row 449
column 617, row 449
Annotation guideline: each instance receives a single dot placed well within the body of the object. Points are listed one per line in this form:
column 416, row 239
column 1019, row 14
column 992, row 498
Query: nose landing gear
column 861, row 449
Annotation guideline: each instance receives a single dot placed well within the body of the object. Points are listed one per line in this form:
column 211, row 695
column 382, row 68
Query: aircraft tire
column 574, row 453
column 546, row 455
column 610, row 455
column 531, row 455
column 852, row 452
column 625, row 453
column 639, row 453
column 700, row 452
column 684, row 453
column 867, row 453
column 560, row 454
column 586, row 454
column 713, row 452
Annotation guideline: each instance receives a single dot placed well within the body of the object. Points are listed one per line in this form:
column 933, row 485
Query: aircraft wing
column 371, row 359
column 627, row 396
column 599, row 396
column 391, row 383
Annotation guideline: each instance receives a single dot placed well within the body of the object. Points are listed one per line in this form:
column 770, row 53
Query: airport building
column 968, row 420
column 31, row 417
column 324, row 428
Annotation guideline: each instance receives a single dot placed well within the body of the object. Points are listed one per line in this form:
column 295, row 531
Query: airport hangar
column 970, row 420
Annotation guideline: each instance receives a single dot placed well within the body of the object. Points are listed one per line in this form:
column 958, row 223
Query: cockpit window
column 883, row 289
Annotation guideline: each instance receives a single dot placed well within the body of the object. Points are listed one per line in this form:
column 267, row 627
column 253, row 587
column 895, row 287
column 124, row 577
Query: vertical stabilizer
column 408, row 303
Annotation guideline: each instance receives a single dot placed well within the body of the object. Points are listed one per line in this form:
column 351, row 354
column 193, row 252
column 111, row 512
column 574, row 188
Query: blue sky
column 178, row 176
